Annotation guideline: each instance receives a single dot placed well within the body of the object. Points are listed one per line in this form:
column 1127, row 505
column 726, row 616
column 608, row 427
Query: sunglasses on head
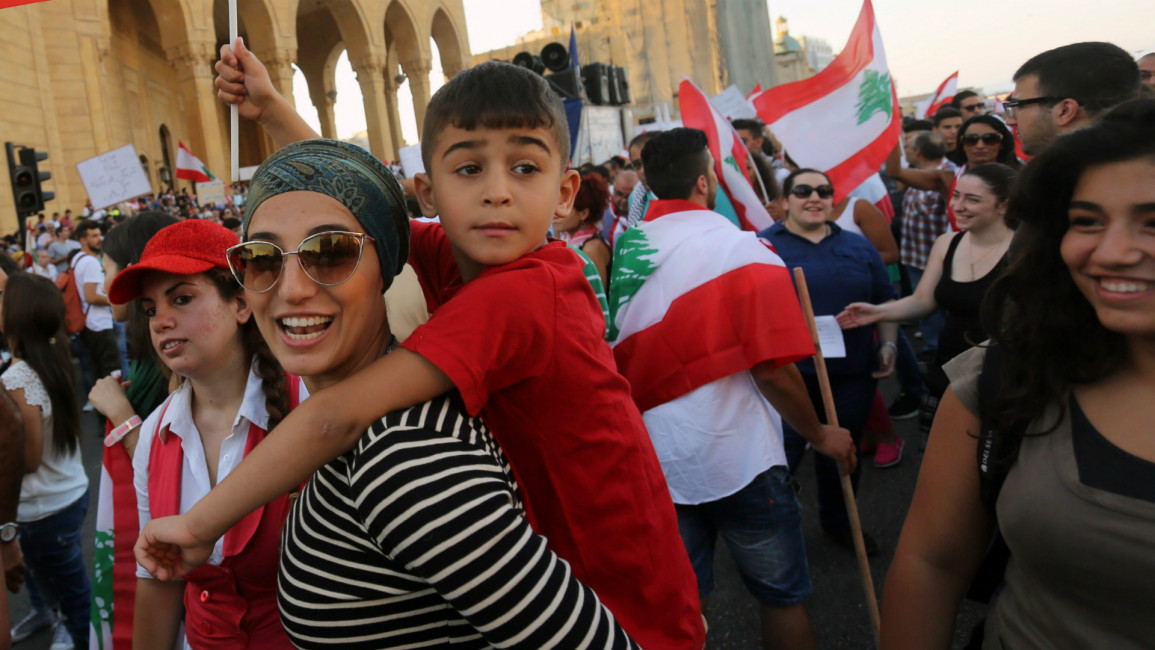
column 804, row 191
column 328, row 258
column 986, row 138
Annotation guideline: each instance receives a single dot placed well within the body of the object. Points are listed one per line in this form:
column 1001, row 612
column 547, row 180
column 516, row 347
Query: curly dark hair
column 1050, row 334
column 592, row 195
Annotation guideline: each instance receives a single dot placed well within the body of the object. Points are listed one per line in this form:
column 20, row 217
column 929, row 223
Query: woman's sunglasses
column 328, row 258
column 987, row 138
column 804, row 191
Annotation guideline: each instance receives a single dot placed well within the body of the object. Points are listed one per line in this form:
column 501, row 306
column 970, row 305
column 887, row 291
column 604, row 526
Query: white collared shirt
column 194, row 481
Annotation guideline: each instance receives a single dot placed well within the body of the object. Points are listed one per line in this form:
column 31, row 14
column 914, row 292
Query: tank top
column 846, row 221
column 961, row 302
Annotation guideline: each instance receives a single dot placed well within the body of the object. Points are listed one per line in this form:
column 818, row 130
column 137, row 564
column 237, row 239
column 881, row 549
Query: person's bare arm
column 33, row 438
column 934, row 180
column 158, row 624
column 109, row 398
column 599, row 254
column 919, row 304
column 243, row 80
column 784, row 389
column 93, row 296
column 943, row 540
column 876, row 229
column 322, row 428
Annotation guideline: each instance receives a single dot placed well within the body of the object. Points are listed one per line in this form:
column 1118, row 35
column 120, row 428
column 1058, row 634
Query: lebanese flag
column 844, row 120
column 874, row 190
column 189, row 167
column 729, row 156
column 114, row 564
column 942, row 96
column 693, row 300
column 757, row 89
column 5, row 4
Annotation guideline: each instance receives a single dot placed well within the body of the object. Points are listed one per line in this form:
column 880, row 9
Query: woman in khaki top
column 1075, row 328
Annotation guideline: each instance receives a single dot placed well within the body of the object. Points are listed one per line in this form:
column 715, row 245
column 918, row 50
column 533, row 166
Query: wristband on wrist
column 891, row 344
column 116, row 434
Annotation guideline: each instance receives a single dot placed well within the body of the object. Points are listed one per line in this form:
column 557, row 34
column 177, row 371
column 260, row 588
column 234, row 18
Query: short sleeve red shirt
column 524, row 344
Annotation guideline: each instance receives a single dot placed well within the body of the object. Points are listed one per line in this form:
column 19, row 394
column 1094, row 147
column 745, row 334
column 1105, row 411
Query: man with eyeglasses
column 1068, row 88
column 1147, row 70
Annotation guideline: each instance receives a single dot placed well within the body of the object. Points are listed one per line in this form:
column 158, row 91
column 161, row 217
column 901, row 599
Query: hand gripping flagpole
column 234, row 150
column 844, row 474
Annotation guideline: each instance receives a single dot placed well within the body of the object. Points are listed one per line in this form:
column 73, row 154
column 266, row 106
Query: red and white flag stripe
column 729, row 153
column 941, row 97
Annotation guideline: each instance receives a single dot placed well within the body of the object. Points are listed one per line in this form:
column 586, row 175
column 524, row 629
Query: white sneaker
column 33, row 622
column 61, row 639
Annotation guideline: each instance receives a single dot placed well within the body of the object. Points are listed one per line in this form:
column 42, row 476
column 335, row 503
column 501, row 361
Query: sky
column 926, row 40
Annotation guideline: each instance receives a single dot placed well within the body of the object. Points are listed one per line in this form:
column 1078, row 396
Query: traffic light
column 24, row 171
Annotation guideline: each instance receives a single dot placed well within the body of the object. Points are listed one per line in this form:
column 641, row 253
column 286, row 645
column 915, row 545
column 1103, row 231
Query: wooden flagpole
column 847, row 488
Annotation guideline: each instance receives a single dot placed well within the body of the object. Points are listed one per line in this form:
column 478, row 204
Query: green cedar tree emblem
column 874, row 96
column 101, row 612
column 632, row 266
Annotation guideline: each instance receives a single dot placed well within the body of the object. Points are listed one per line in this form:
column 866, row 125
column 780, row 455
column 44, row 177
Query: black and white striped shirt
column 417, row 538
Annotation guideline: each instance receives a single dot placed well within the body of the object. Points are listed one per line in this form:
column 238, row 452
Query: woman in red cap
column 232, row 391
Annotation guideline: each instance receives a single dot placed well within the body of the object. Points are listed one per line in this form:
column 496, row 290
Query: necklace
column 975, row 262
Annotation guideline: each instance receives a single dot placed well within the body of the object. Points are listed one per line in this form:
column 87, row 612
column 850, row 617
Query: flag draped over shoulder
column 729, row 156
column 694, row 299
column 845, row 119
column 189, row 167
column 941, row 97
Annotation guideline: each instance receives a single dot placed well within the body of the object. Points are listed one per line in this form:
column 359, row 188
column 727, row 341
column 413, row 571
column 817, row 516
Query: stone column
column 279, row 63
column 418, row 72
column 325, row 114
column 370, row 71
column 193, row 61
column 394, row 113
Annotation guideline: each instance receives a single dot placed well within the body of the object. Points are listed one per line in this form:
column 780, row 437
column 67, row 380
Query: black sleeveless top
column 960, row 301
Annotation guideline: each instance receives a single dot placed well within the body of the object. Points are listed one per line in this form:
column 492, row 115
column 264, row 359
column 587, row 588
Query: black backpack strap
column 991, row 450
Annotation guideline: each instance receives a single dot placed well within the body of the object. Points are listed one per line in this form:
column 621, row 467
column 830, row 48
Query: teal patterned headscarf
column 350, row 175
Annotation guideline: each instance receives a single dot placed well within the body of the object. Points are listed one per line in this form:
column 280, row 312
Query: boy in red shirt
column 518, row 332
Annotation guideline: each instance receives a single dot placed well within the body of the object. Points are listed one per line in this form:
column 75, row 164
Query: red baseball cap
column 185, row 248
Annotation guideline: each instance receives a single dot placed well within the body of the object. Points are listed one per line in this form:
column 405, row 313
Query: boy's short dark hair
column 1097, row 75
column 945, row 113
column 914, row 126
column 495, row 95
column 674, row 161
column 752, row 126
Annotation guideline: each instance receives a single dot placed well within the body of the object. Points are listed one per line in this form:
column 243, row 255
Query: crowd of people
column 413, row 434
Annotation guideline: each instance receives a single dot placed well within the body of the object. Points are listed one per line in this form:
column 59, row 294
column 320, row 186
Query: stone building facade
column 82, row 77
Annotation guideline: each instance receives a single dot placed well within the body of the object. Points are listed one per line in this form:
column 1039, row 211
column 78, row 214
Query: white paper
column 211, row 192
column 411, row 160
column 113, row 177
column 732, row 104
column 830, row 339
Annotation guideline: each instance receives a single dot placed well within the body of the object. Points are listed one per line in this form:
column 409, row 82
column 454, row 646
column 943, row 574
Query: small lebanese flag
column 681, row 319
column 189, row 167
column 942, row 96
column 844, row 120
column 729, row 156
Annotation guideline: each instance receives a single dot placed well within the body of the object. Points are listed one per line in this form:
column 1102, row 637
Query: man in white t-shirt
column 98, row 336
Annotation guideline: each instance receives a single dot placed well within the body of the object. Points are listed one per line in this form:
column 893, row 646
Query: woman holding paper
column 841, row 268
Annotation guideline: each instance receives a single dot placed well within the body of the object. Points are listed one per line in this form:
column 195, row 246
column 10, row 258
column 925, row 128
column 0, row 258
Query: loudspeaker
column 623, row 85
column 566, row 83
column 555, row 57
column 612, row 77
column 529, row 62
column 597, row 83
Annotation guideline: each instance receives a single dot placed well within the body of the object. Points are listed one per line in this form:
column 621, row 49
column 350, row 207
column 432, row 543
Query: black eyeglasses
column 987, row 138
column 804, row 191
column 1011, row 105
column 328, row 258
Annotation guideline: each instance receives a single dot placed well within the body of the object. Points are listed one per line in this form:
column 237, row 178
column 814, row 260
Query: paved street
column 837, row 608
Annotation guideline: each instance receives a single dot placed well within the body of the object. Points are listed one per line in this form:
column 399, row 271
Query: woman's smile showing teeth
column 1115, row 285
column 304, row 328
